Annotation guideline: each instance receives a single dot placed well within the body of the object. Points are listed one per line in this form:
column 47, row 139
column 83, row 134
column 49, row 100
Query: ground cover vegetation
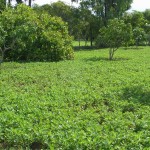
column 83, row 102
column 87, row 103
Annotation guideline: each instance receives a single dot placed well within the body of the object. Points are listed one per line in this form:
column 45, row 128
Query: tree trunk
column 2, row 55
column 86, row 41
column 111, row 53
column 105, row 14
column 91, row 36
column 79, row 41
column 30, row 3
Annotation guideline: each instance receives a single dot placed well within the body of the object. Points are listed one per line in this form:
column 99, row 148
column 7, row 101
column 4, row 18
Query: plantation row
column 88, row 103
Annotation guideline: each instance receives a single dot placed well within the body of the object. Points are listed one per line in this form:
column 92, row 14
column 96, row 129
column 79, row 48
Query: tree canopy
column 107, row 9
column 2, row 5
column 116, row 34
column 36, row 37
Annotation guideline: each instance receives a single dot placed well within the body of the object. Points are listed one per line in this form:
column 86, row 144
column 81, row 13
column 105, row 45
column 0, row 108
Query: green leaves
column 139, row 35
column 88, row 103
column 115, row 35
column 37, row 37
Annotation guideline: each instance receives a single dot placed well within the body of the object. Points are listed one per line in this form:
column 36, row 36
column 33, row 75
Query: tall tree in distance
column 21, row 1
column 107, row 9
column 146, row 14
column 30, row 3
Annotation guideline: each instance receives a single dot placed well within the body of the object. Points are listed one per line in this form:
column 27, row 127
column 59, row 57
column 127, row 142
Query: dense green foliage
column 88, row 103
column 107, row 9
column 139, row 35
column 85, row 21
column 141, row 26
column 82, row 24
column 2, row 5
column 34, row 37
column 116, row 34
column 147, row 15
column 59, row 9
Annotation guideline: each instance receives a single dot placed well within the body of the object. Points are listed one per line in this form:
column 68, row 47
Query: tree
column 2, row 5
column 137, row 19
column 148, row 38
column 140, row 25
column 59, row 9
column 107, row 9
column 146, row 14
column 36, row 37
column 82, row 23
column 30, row 3
column 90, row 24
column 115, row 35
column 139, row 35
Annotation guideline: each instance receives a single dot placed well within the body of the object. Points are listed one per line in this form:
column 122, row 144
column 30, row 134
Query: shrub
column 36, row 37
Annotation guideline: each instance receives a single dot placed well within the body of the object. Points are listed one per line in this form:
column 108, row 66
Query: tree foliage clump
column 107, row 9
column 2, row 5
column 139, row 35
column 115, row 35
column 29, row 36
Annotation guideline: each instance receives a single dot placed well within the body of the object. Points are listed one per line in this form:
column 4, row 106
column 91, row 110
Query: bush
column 35, row 37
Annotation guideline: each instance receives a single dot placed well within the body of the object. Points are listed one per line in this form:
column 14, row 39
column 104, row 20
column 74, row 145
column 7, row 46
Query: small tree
column 116, row 34
column 139, row 35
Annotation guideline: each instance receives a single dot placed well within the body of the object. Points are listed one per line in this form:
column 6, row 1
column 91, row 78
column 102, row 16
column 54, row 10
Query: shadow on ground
column 94, row 59
column 133, row 48
column 137, row 94
column 84, row 48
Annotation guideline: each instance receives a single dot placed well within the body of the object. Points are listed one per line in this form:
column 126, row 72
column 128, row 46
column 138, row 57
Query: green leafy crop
column 89, row 103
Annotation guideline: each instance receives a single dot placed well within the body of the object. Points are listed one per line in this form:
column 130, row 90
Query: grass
column 87, row 103
column 82, row 43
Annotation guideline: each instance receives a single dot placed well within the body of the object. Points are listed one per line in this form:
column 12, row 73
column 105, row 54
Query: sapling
column 115, row 35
